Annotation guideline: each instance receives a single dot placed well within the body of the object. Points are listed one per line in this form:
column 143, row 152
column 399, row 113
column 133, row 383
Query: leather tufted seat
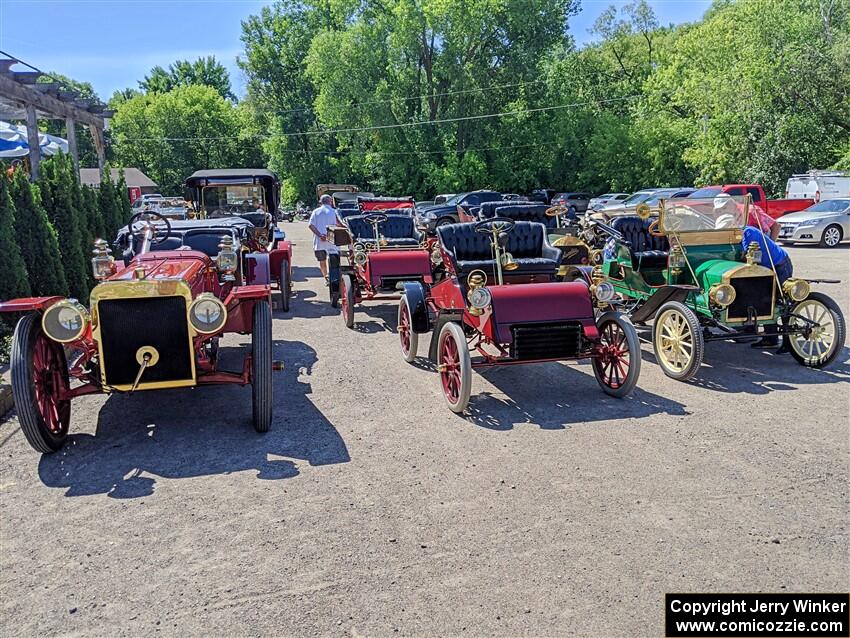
column 647, row 251
column 527, row 212
column 398, row 230
column 527, row 243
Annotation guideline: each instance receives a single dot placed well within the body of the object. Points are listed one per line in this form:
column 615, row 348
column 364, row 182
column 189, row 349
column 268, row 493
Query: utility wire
column 383, row 127
column 423, row 96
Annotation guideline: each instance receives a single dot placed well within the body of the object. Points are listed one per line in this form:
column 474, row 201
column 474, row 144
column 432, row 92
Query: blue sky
column 114, row 43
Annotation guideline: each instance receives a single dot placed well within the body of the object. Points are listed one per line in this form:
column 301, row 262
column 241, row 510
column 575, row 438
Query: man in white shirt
column 320, row 219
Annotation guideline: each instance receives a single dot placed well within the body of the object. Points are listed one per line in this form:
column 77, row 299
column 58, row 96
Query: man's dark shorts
column 321, row 255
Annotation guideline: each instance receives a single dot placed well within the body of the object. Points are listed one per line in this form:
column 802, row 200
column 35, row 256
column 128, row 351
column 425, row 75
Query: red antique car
column 253, row 194
column 523, row 316
column 383, row 252
column 153, row 323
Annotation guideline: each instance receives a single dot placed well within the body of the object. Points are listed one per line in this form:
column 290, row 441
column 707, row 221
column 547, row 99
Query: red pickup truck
column 774, row 207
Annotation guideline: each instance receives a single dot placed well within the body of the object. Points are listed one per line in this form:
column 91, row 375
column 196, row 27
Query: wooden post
column 32, row 140
column 97, row 136
column 71, row 134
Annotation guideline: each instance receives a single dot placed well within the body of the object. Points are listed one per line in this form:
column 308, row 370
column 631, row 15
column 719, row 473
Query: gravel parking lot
column 371, row 510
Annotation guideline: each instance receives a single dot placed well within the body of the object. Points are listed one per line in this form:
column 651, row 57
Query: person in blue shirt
column 770, row 251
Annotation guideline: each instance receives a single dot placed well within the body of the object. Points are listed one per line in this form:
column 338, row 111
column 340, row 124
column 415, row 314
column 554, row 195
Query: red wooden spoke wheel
column 408, row 340
column 616, row 360
column 346, row 297
column 454, row 366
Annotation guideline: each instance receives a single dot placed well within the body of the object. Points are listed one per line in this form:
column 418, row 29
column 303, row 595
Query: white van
column 818, row 185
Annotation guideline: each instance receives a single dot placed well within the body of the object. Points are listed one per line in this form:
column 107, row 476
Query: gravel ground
column 371, row 510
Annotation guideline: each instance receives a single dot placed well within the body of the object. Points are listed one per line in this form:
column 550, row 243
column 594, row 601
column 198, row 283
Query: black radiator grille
column 128, row 324
column 546, row 341
column 755, row 292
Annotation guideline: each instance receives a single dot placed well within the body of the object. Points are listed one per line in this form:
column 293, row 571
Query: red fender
column 28, row 304
column 281, row 251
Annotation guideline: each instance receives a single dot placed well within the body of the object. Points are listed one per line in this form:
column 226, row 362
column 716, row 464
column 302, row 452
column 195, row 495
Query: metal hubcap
column 831, row 237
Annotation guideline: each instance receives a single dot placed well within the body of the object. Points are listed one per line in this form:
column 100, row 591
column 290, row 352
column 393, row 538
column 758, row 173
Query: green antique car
column 687, row 269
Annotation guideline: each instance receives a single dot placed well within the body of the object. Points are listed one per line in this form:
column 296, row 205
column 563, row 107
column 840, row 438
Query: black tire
column 682, row 317
column 261, row 353
column 832, row 236
column 615, row 330
column 28, row 335
column 285, row 285
column 445, row 221
column 797, row 343
column 346, row 293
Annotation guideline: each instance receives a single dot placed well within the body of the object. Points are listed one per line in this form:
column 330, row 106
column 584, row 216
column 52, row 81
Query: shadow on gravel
column 302, row 273
column 179, row 434
column 736, row 367
column 305, row 303
column 555, row 396
column 384, row 314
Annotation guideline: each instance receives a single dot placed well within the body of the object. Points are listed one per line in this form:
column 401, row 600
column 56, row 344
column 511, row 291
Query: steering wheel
column 653, row 229
column 149, row 213
column 376, row 218
column 498, row 224
column 555, row 211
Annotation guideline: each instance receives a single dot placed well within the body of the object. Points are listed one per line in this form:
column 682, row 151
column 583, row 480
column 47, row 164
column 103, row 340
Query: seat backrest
column 520, row 211
column 464, row 244
column 526, row 239
column 394, row 227
column 635, row 231
column 205, row 241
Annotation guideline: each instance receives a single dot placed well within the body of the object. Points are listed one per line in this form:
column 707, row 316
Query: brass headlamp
column 227, row 259
column 797, row 289
column 102, row 262
column 722, row 295
column 477, row 295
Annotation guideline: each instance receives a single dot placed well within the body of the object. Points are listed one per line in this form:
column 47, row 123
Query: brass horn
column 508, row 262
column 643, row 211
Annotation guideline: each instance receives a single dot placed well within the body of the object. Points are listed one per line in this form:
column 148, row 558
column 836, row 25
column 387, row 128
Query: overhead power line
column 383, row 127
column 425, row 96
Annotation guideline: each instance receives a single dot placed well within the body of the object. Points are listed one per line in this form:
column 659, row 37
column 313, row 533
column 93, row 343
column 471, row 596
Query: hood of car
column 182, row 265
column 437, row 210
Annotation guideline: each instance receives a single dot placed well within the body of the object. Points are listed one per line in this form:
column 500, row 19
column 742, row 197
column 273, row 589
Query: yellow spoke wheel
column 677, row 341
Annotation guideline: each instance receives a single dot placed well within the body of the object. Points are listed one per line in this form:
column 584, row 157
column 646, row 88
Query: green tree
column 60, row 191
column 36, row 239
column 205, row 71
column 170, row 135
column 14, row 281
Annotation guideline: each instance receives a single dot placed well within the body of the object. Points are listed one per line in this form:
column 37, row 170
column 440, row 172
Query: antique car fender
column 445, row 316
column 282, row 250
column 28, row 304
column 240, row 306
column 662, row 295
column 258, row 269
column 415, row 293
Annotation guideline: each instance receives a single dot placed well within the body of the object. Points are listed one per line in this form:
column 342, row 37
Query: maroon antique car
column 152, row 324
column 383, row 252
column 501, row 301
column 252, row 194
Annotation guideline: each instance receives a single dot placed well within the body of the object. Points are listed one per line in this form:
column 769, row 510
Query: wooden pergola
column 23, row 97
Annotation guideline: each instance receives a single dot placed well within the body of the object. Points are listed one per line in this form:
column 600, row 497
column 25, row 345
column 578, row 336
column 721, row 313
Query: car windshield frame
column 253, row 191
column 684, row 215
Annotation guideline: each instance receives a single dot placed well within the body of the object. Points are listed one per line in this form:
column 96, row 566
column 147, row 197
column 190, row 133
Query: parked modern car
column 542, row 195
column 514, row 197
column 576, row 202
column 826, row 223
column 606, row 198
column 774, row 207
column 440, row 215
column 650, row 197
column 443, row 198
column 818, row 185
